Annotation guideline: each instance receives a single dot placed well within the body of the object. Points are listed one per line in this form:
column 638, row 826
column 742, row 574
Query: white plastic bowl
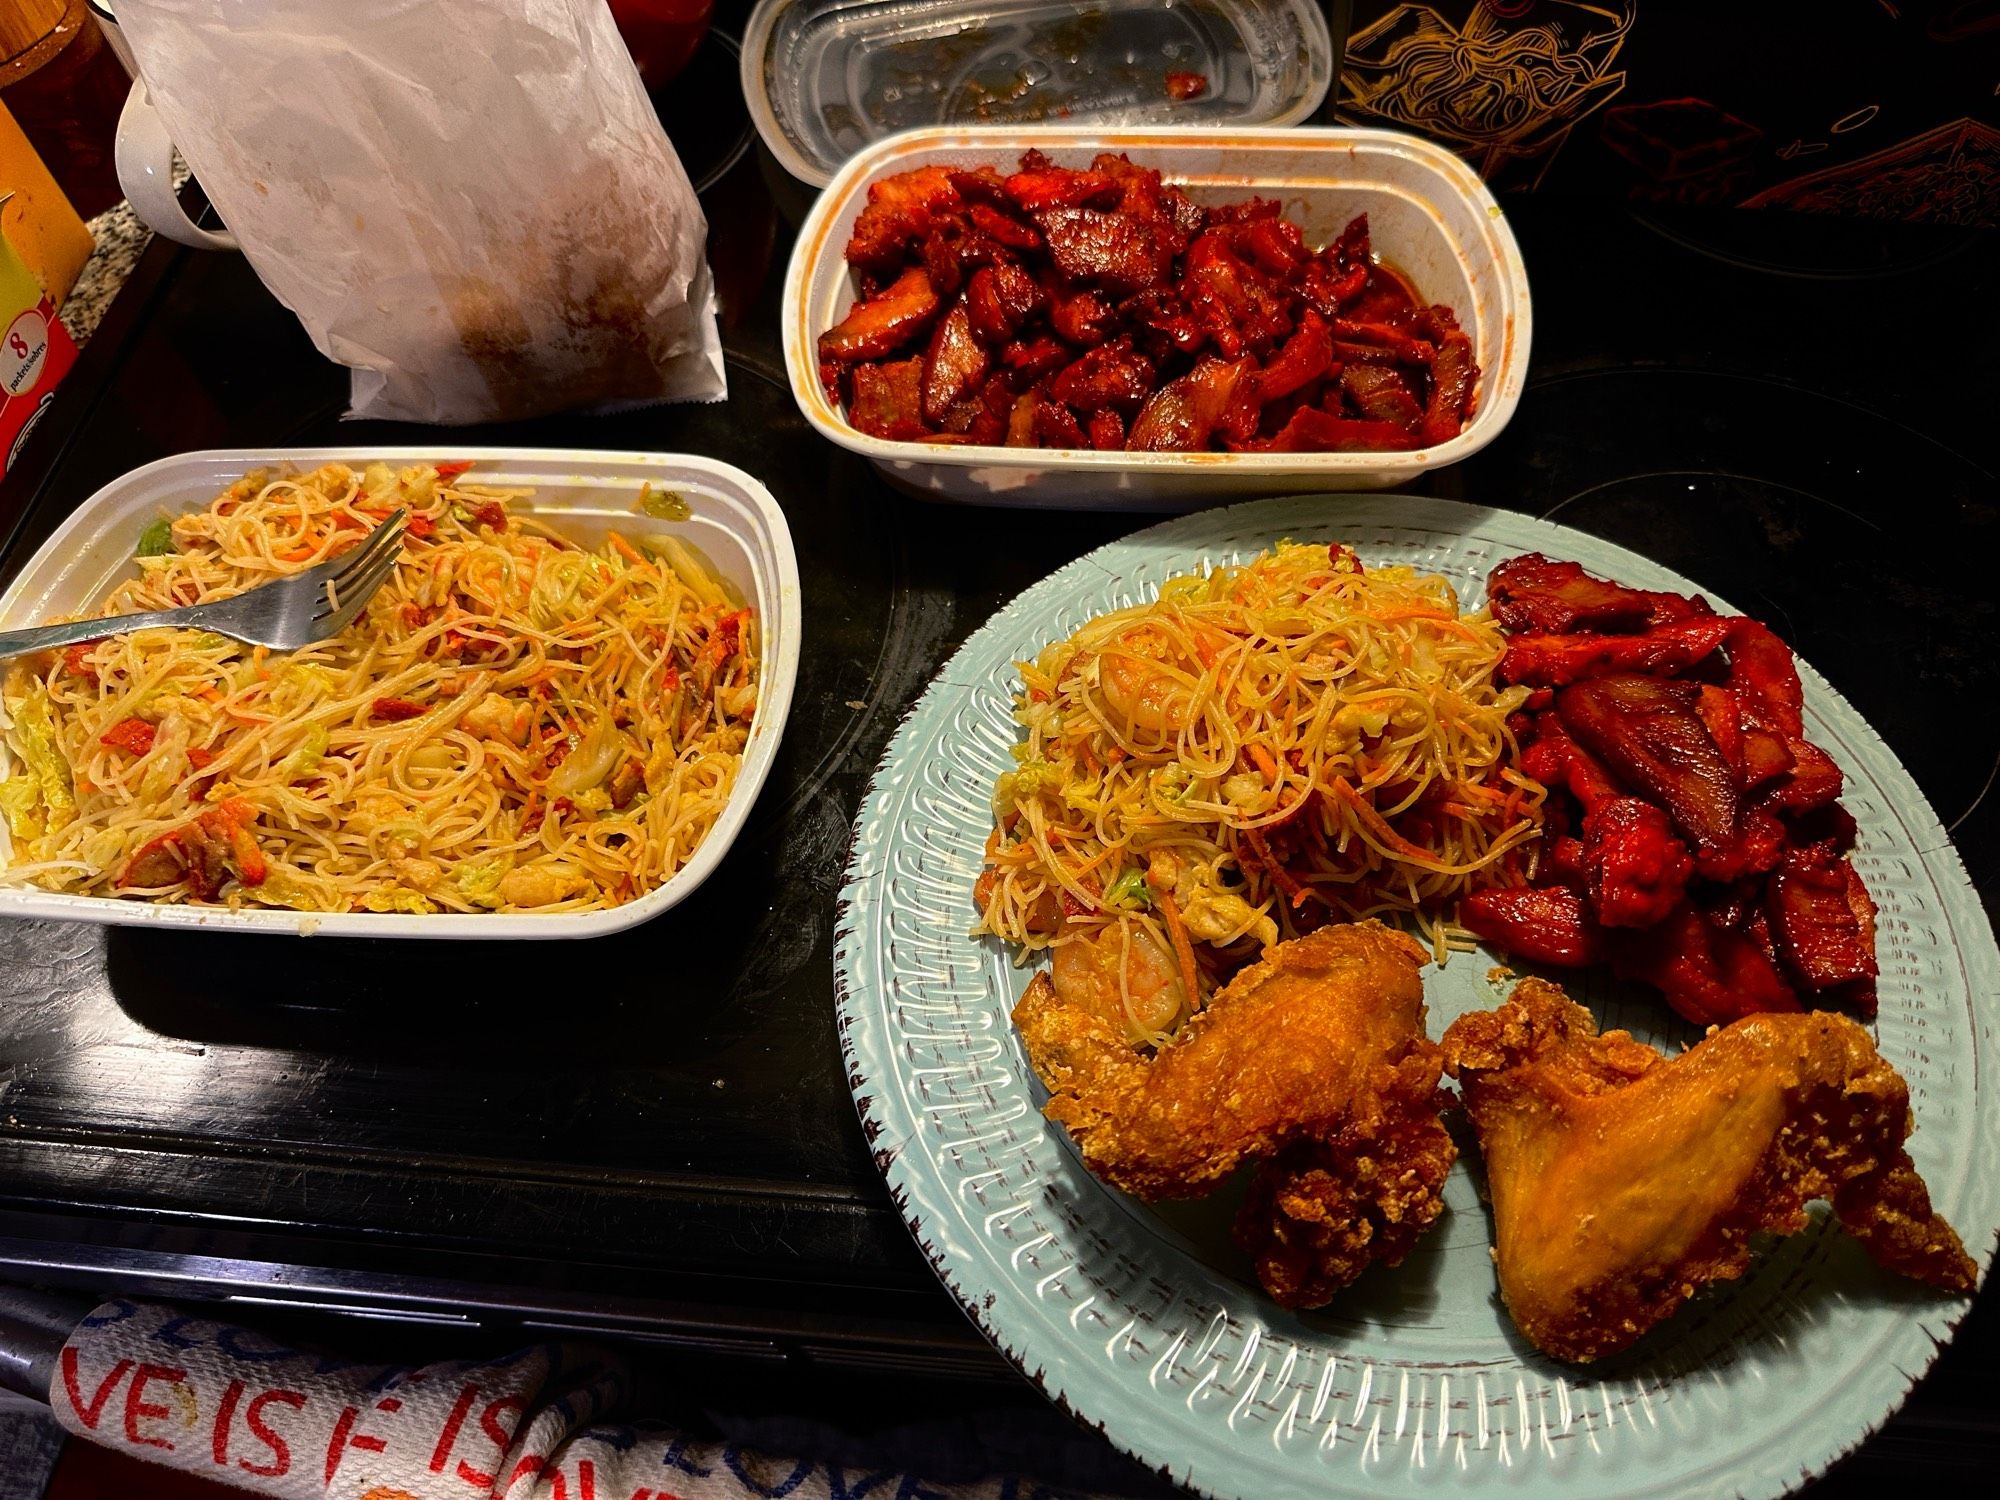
column 1430, row 217
column 734, row 523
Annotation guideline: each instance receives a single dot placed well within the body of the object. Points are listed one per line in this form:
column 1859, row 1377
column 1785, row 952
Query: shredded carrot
column 625, row 549
column 1376, row 824
column 1183, row 949
column 305, row 549
column 1079, row 871
column 1266, row 762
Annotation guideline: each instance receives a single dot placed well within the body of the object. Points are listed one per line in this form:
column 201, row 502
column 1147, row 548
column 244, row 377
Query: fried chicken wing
column 1322, row 1211
column 1315, row 1058
column 1622, row 1181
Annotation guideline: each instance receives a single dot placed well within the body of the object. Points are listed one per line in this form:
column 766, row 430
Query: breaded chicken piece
column 1322, row 1211
column 1622, row 1181
column 1315, row 1056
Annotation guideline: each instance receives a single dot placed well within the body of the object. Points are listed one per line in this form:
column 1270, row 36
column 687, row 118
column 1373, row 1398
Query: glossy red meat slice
column 1182, row 415
column 1031, row 359
column 1719, row 713
column 1554, row 759
column 1766, row 755
column 1709, row 975
column 943, row 255
column 982, row 184
column 1112, row 375
column 1305, row 357
column 1055, row 426
column 1174, row 216
column 1822, row 919
column 1831, row 825
column 1084, row 318
column 1635, row 867
column 1021, row 420
column 983, row 418
column 1275, row 246
column 1813, row 781
column 1563, row 865
column 1760, row 839
column 884, row 323
column 888, row 400
column 1531, row 592
column 1112, row 251
column 900, row 211
column 999, row 299
column 956, row 364
column 1310, row 430
column 1054, row 187
column 1650, row 735
column 1545, row 925
column 1553, row 660
column 1163, row 313
column 1380, row 341
column 1234, row 304
column 1339, row 273
column 1453, row 374
column 1352, row 247
column 1003, row 228
column 1246, row 211
column 1107, row 430
column 1765, row 679
column 1379, row 393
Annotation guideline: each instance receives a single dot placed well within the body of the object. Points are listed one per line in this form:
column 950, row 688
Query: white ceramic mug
column 144, row 154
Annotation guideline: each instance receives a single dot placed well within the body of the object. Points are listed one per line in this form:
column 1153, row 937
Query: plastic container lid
column 826, row 77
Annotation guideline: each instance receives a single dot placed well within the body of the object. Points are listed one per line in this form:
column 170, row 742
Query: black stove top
column 1789, row 412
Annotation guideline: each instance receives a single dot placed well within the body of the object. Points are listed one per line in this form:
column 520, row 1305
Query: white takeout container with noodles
column 1429, row 216
column 732, row 523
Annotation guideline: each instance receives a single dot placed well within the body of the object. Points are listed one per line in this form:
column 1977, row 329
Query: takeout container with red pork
column 1431, row 220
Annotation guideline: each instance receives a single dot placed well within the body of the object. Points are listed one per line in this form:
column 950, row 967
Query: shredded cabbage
column 305, row 760
column 480, row 883
column 52, row 800
column 593, row 760
column 397, row 900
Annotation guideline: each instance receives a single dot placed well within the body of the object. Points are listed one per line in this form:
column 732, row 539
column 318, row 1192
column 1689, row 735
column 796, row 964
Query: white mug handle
column 144, row 153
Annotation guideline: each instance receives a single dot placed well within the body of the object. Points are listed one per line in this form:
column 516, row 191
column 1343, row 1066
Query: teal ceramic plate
column 1147, row 1324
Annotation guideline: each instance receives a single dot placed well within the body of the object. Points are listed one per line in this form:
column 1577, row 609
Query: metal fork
column 284, row 614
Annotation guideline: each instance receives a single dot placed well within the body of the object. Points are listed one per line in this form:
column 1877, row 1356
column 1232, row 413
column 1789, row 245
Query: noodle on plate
column 1258, row 751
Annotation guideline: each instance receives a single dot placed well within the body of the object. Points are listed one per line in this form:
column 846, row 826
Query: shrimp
column 540, row 885
column 1150, row 1002
column 496, row 718
column 1146, row 682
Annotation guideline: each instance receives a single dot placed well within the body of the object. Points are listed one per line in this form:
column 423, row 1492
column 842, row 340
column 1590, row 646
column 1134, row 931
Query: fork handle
column 48, row 637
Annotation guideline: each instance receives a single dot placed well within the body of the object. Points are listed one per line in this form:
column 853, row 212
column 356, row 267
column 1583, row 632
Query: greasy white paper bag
column 470, row 203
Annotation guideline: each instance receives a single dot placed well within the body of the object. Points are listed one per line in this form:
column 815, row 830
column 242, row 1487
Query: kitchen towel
column 233, row 1406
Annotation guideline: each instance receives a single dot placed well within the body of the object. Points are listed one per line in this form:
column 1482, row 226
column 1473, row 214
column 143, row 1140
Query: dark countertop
column 414, row 1129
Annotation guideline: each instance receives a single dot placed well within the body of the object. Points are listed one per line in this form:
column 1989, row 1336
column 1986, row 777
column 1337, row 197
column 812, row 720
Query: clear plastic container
column 1429, row 215
column 825, row 78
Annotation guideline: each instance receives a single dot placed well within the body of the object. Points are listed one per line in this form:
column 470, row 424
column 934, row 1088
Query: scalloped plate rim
column 1147, row 1429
